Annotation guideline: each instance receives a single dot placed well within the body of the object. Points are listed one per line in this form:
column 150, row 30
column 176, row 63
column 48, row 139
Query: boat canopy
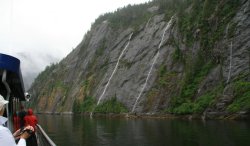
column 14, row 79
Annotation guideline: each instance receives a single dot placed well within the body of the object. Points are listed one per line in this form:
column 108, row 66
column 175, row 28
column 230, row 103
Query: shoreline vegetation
column 207, row 116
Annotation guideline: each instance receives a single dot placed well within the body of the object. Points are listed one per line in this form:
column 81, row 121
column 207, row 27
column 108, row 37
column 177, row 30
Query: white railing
column 42, row 138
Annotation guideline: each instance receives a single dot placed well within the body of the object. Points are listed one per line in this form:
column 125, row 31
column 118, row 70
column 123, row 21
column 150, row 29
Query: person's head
column 30, row 112
column 21, row 107
column 3, row 102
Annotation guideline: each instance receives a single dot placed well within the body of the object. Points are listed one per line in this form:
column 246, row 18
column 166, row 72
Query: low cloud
column 32, row 64
column 43, row 32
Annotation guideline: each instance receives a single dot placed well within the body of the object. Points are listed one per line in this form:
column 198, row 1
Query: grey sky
column 40, row 32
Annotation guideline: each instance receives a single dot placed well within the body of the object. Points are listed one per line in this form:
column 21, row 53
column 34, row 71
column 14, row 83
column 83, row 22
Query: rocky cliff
column 168, row 57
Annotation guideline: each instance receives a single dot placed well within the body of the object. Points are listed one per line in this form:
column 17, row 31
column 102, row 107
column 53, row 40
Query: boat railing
column 42, row 138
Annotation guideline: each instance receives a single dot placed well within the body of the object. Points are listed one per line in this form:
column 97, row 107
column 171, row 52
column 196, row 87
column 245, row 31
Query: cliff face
column 183, row 61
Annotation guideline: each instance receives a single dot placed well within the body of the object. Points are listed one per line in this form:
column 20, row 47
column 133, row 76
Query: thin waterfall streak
column 144, row 86
column 227, row 30
column 116, row 66
column 163, row 35
column 151, row 68
column 148, row 22
column 230, row 63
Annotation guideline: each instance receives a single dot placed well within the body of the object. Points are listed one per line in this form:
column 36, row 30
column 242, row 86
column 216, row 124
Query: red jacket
column 16, row 122
column 30, row 119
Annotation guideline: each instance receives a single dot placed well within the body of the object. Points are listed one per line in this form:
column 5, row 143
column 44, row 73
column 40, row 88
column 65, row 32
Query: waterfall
column 231, row 55
column 148, row 22
column 151, row 68
column 230, row 63
column 116, row 66
column 154, row 61
column 91, row 115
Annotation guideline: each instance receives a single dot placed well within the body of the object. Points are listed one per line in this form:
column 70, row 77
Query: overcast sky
column 40, row 32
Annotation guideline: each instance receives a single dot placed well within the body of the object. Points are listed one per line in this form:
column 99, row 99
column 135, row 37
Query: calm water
column 76, row 130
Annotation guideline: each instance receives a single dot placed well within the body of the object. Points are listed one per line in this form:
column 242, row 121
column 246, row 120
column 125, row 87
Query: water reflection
column 75, row 130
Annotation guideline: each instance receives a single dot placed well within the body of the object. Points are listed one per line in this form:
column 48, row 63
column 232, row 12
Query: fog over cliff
column 32, row 64
column 42, row 32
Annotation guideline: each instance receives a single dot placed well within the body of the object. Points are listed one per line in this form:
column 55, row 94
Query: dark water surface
column 76, row 130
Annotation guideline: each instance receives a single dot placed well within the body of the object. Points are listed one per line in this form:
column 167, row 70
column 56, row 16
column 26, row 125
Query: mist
column 42, row 32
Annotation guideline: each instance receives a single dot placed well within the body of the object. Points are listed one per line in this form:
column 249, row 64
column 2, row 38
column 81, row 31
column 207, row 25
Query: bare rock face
column 144, row 68
column 237, row 52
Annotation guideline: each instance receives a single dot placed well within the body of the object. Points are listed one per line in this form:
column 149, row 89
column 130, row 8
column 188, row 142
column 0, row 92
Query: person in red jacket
column 31, row 119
